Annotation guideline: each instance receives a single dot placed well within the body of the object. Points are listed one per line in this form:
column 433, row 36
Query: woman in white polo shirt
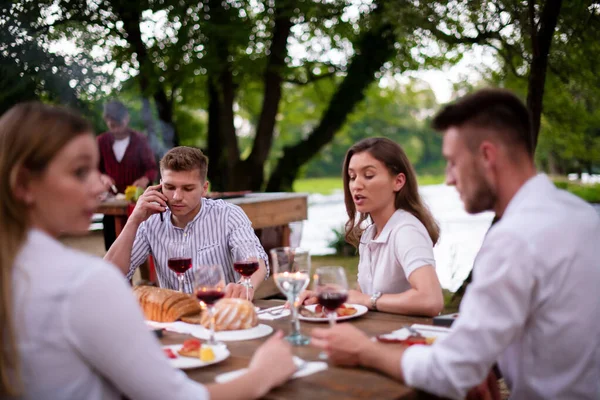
column 393, row 230
column 70, row 327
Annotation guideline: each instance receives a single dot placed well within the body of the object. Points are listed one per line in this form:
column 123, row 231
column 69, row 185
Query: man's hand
column 106, row 181
column 237, row 291
column 487, row 390
column 343, row 343
column 142, row 182
column 151, row 202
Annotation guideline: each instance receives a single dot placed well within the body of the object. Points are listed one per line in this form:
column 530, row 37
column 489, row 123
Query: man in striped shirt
column 213, row 228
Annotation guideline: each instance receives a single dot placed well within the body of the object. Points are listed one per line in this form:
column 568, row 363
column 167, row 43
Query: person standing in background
column 126, row 158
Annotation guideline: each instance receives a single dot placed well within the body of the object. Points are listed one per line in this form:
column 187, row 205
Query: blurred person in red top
column 126, row 158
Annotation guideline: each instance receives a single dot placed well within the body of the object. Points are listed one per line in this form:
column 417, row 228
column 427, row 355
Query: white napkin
column 310, row 367
column 425, row 330
column 279, row 313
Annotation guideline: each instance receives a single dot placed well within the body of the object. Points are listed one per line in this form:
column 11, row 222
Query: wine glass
column 245, row 262
column 291, row 271
column 209, row 287
column 179, row 260
column 331, row 286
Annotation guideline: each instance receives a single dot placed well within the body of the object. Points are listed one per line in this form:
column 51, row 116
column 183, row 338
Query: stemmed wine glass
column 245, row 262
column 331, row 286
column 291, row 271
column 209, row 287
column 179, row 259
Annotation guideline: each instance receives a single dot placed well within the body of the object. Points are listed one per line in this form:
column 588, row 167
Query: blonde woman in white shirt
column 70, row 327
column 396, row 270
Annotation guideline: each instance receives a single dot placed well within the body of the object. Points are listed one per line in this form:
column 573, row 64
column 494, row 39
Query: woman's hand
column 357, row 297
column 307, row 298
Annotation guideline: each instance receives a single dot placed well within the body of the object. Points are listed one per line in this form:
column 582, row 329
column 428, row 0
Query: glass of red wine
column 209, row 287
column 180, row 260
column 331, row 287
column 245, row 263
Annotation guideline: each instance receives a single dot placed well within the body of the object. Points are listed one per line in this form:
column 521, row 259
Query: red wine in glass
column 180, row 264
column 332, row 300
column 210, row 297
column 246, row 268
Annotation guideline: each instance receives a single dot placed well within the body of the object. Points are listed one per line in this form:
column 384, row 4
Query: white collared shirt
column 387, row 261
column 119, row 147
column 214, row 232
column 80, row 332
column 533, row 305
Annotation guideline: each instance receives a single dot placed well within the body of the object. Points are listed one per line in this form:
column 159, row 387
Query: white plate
column 360, row 310
column 432, row 331
column 231, row 336
column 183, row 362
column 202, row 333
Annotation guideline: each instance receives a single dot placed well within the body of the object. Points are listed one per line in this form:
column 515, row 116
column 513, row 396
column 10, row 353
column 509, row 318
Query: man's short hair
column 496, row 109
column 184, row 158
column 116, row 111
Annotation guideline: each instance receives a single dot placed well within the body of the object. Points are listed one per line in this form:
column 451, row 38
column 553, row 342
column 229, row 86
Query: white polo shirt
column 387, row 261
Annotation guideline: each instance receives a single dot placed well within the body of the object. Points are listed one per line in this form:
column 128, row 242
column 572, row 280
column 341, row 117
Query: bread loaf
column 231, row 315
column 165, row 305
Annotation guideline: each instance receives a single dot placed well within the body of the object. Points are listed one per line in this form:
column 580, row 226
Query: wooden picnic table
column 334, row 383
column 263, row 209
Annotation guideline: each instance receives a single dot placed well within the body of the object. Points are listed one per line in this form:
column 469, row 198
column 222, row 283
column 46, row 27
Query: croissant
column 165, row 305
column 231, row 315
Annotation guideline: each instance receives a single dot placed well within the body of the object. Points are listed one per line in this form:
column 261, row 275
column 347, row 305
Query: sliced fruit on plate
column 207, row 354
column 191, row 348
column 169, row 353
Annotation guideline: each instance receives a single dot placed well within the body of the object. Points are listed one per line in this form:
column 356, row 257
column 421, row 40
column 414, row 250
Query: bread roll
column 165, row 305
column 232, row 315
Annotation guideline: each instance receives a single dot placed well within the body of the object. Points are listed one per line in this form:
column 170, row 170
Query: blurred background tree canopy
column 276, row 89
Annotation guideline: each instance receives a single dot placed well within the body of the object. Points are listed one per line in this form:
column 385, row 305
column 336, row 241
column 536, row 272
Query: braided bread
column 231, row 315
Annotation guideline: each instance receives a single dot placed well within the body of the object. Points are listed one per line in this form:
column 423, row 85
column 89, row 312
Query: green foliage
column 324, row 185
column 588, row 192
column 399, row 112
column 339, row 244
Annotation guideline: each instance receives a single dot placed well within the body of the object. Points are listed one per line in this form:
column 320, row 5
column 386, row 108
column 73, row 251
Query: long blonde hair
column 31, row 134
column 394, row 158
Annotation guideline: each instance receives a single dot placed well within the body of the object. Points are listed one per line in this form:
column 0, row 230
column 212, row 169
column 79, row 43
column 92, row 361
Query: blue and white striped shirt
column 214, row 232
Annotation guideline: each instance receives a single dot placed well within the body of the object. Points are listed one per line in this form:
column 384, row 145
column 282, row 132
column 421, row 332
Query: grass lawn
column 330, row 184
column 590, row 193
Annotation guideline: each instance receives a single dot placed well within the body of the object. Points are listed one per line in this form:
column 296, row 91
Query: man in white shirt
column 533, row 306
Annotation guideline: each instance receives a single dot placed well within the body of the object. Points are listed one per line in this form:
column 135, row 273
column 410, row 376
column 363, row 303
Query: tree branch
column 375, row 47
column 311, row 79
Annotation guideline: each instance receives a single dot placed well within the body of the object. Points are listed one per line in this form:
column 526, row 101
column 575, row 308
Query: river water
column 460, row 240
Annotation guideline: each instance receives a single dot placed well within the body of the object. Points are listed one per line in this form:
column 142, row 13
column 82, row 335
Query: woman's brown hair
column 31, row 134
column 408, row 198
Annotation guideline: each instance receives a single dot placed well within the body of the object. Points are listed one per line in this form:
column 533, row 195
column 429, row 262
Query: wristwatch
column 374, row 299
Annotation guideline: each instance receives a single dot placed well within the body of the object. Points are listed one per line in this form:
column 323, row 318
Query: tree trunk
column 252, row 169
column 374, row 49
column 540, row 44
column 217, row 169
